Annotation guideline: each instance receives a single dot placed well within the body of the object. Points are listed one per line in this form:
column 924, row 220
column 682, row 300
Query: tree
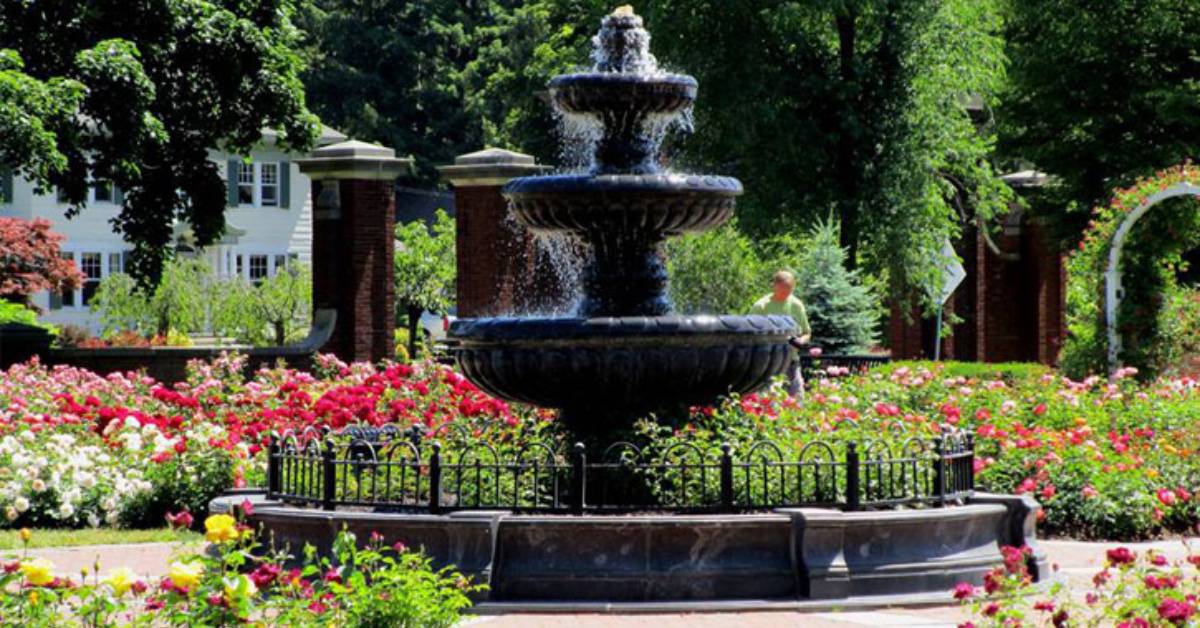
column 859, row 107
column 425, row 271
column 389, row 71
column 30, row 260
column 179, row 302
column 137, row 92
column 1101, row 93
column 276, row 311
column 843, row 312
column 715, row 272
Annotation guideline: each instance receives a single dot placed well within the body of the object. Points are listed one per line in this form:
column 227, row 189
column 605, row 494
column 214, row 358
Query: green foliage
column 866, row 115
column 1156, row 312
column 1101, row 93
column 715, row 272
column 137, row 94
column 185, row 482
column 1014, row 373
column 17, row 313
column 189, row 299
column 179, row 301
column 424, row 270
column 843, row 311
column 276, row 311
column 390, row 72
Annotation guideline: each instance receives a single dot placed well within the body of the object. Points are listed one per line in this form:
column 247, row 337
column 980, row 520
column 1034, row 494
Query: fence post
column 273, row 466
column 579, row 462
column 939, row 469
column 853, row 475
column 435, row 479
column 969, row 467
column 726, row 477
column 328, row 486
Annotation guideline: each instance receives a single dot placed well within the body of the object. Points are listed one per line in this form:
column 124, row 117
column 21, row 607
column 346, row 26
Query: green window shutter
column 6, row 184
column 231, row 180
column 285, row 184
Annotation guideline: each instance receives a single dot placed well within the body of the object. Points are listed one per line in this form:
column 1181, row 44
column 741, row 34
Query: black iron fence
column 389, row 470
column 814, row 367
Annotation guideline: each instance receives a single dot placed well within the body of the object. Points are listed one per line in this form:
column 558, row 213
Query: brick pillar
column 498, row 264
column 353, row 243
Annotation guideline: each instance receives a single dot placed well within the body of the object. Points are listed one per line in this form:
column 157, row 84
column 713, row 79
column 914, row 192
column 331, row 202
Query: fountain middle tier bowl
column 628, row 364
column 666, row 203
column 606, row 93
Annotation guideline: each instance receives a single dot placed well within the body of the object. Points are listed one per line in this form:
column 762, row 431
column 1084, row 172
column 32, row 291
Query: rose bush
column 1131, row 591
column 237, row 583
column 79, row 449
column 1106, row 459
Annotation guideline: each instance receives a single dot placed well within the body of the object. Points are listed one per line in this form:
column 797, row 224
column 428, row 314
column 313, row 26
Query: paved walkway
column 1077, row 561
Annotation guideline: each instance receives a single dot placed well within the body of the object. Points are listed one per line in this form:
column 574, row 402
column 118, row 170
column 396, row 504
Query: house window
column 114, row 263
column 258, row 268
column 246, row 184
column 103, row 191
column 89, row 264
column 240, row 271
column 269, row 191
column 280, row 263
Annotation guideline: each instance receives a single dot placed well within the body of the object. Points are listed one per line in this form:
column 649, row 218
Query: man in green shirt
column 783, row 302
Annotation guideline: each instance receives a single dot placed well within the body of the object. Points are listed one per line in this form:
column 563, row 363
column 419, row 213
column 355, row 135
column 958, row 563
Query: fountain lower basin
column 624, row 365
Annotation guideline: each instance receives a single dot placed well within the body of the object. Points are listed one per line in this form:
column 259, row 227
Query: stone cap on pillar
column 353, row 159
column 490, row 167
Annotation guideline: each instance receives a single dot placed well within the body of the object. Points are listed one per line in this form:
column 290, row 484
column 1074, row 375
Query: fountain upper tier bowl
column 622, row 364
column 664, row 203
column 623, row 92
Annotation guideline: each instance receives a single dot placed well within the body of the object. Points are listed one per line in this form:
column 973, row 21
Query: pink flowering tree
column 30, row 260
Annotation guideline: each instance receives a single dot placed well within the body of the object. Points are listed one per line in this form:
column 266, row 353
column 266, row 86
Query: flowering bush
column 1113, row 460
column 1153, row 301
column 1106, row 459
column 80, row 449
column 1131, row 591
column 235, row 584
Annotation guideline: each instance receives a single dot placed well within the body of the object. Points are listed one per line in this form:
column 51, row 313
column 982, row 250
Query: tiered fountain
column 625, row 353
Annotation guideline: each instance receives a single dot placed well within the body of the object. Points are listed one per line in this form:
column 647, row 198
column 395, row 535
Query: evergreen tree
column 843, row 312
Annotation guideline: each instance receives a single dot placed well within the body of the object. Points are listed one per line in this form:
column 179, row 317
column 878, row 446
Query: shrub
column 715, row 272
column 235, row 583
column 18, row 313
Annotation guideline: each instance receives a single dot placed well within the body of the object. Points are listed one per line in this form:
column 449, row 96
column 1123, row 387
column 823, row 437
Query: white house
column 268, row 223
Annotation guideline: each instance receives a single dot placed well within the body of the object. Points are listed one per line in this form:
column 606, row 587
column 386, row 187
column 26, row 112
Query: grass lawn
column 42, row 537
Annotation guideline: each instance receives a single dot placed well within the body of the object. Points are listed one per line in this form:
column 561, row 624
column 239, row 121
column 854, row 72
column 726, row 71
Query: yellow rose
column 185, row 575
column 120, row 580
column 238, row 586
column 26, row 534
column 1152, row 473
column 220, row 529
column 38, row 572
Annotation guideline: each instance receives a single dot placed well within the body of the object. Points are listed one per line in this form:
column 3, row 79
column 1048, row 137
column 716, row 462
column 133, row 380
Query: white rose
column 93, row 520
column 132, row 423
column 65, row 511
column 38, row 485
column 21, row 504
column 11, row 513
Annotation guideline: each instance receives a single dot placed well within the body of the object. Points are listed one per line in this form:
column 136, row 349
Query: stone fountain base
column 786, row 555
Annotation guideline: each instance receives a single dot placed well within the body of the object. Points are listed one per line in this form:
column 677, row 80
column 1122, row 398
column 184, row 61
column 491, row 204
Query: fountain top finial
column 625, row 10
